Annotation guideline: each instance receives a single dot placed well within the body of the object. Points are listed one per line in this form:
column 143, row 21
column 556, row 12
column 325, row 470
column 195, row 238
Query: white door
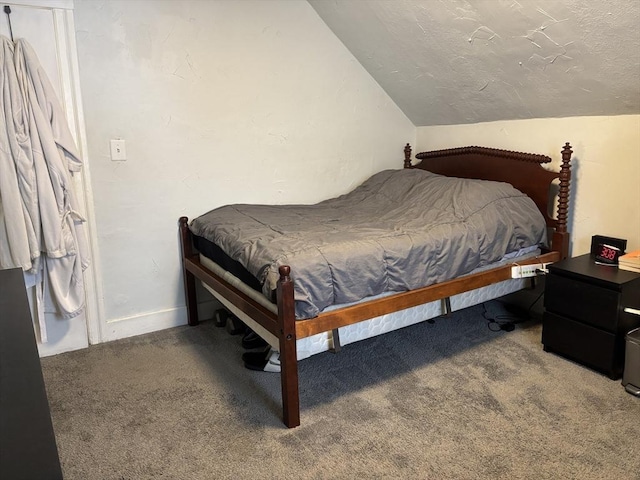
column 48, row 27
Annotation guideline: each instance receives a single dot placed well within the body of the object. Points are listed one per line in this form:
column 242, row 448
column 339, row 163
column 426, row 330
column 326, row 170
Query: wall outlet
column 524, row 271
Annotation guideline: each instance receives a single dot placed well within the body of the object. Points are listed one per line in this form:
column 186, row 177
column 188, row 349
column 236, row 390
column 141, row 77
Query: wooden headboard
column 522, row 170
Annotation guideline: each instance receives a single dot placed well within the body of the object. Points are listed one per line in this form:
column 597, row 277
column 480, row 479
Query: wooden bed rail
column 412, row 298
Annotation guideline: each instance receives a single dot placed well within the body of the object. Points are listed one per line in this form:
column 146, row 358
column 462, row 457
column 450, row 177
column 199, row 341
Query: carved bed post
column 288, row 352
column 560, row 241
column 186, row 245
column 407, row 156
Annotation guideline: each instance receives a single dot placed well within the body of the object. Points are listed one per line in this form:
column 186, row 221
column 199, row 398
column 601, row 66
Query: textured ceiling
column 456, row 61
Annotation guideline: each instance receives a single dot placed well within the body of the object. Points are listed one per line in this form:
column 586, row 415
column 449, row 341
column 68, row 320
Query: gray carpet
column 449, row 400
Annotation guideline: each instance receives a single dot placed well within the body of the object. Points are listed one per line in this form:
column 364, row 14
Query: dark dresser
column 589, row 308
column 27, row 443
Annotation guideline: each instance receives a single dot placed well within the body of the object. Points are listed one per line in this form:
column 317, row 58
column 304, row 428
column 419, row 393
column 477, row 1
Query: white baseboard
column 152, row 321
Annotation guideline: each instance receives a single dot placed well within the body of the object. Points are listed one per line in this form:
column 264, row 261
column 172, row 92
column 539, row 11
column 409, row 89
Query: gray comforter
column 399, row 230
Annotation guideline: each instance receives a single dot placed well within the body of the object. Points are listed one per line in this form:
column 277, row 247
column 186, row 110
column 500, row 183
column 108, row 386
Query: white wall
column 257, row 101
column 218, row 102
column 605, row 188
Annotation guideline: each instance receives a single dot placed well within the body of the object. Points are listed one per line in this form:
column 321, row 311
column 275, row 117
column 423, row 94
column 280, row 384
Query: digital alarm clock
column 607, row 250
column 607, row 254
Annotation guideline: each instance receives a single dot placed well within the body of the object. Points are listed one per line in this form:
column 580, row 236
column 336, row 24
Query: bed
column 283, row 308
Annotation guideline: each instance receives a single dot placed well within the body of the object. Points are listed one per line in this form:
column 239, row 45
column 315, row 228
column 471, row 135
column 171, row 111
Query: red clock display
column 607, row 254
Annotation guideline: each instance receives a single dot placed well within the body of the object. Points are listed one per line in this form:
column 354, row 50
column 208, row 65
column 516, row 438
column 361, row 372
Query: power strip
column 525, row 271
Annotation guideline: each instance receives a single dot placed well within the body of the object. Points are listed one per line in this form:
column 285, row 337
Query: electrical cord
column 499, row 322
column 535, row 301
column 507, row 322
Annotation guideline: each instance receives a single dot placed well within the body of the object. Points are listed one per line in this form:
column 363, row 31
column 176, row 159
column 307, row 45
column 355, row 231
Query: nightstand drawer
column 588, row 303
column 590, row 346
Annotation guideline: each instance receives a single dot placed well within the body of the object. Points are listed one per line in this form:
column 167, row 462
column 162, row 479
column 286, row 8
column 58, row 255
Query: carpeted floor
column 449, row 400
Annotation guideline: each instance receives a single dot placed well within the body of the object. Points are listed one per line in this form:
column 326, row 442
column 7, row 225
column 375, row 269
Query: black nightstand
column 585, row 318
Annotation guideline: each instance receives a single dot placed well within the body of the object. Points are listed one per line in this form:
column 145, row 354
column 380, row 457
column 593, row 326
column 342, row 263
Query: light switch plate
column 118, row 150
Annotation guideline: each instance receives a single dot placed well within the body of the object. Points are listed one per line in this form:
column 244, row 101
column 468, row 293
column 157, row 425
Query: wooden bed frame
column 522, row 170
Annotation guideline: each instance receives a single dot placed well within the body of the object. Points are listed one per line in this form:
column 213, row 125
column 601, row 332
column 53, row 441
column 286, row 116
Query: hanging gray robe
column 44, row 155
column 19, row 240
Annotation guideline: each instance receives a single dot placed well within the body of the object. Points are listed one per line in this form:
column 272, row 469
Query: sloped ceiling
column 455, row 61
